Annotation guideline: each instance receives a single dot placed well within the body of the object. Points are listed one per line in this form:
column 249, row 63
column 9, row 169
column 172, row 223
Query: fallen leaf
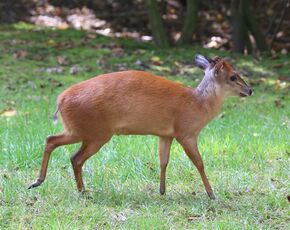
column 108, row 46
column 149, row 188
column 156, row 60
column 20, row 54
column 150, row 166
column 121, row 66
column 141, row 64
column 51, row 42
column 280, row 84
column 120, row 217
column 6, row 176
column 31, row 201
column 286, row 122
column 139, row 51
column 280, row 65
column 55, row 83
column 63, row 26
column 57, row 70
column 117, row 52
column 222, row 115
column 283, row 78
column 194, row 217
column 11, row 102
column 8, row 113
column 138, row 62
column 278, row 103
column 177, row 64
column 75, row 69
column 284, row 51
column 62, row 60
column 91, row 36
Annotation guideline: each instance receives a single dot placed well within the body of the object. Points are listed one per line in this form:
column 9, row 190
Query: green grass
column 245, row 149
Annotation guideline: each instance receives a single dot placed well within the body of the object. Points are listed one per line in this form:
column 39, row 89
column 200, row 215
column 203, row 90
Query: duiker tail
column 54, row 118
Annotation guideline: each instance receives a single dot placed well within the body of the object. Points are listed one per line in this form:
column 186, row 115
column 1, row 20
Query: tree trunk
column 15, row 10
column 156, row 24
column 254, row 27
column 244, row 22
column 189, row 23
column 239, row 30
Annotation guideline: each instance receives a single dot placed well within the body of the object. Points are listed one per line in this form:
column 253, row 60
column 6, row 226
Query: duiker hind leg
column 52, row 142
column 87, row 149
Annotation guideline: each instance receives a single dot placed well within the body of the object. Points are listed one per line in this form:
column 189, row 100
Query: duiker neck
column 210, row 93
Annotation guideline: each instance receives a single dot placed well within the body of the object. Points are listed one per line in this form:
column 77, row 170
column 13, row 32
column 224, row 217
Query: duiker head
column 223, row 73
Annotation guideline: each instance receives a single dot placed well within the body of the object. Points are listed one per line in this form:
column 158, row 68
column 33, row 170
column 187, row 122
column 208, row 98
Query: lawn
column 245, row 149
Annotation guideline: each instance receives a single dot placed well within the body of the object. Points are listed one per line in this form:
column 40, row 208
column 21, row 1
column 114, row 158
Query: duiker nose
column 250, row 91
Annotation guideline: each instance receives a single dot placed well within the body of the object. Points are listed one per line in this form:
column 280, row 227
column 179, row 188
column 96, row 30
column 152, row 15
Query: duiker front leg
column 164, row 150
column 191, row 150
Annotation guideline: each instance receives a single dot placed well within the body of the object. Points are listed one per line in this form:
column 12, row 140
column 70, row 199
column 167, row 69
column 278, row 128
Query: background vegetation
column 244, row 26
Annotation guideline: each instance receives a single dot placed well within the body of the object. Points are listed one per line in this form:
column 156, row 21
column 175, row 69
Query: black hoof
column 35, row 184
column 211, row 195
column 86, row 194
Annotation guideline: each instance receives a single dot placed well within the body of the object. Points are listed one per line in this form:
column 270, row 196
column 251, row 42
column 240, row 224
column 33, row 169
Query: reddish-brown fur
column 137, row 102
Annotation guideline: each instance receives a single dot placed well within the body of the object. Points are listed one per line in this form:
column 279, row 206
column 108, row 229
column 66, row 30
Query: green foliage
column 245, row 149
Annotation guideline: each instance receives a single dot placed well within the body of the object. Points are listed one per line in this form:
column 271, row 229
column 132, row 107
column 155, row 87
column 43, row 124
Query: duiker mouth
column 247, row 92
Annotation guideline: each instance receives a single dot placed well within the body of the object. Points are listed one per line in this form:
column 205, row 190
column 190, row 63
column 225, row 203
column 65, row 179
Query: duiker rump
column 137, row 102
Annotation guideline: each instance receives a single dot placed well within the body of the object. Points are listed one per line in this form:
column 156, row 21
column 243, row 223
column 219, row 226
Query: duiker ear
column 218, row 67
column 201, row 61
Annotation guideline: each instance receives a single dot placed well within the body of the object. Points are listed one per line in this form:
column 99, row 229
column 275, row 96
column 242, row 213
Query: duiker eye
column 233, row 78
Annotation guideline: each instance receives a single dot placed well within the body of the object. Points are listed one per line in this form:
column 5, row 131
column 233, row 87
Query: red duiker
column 137, row 102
